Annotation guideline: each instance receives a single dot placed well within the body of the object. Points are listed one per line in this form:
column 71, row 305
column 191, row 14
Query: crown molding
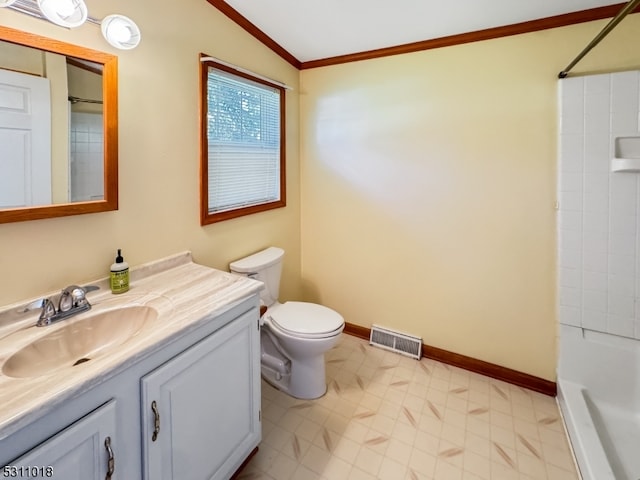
column 235, row 16
column 477, row 36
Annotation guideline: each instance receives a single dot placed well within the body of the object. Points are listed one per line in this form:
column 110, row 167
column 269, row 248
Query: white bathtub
column 599, row 396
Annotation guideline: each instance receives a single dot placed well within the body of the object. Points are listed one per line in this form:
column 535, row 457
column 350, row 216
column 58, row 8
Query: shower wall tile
column 597, row 105
column 596, row 189
column 593, row 320
column 570, row 297
column 597, row 149
column 572, row 181
column 572, row 315
column 570, row 277
column 622, row 326
column 87, row 165
column 596, row 200
column 594, row 260
column 595, row 301
column 598, row 226
column 622, row 244
column 622, row 285
column 624, row 103
column 595, row 220
column 572, row 99
column 595, row 241
column 570, row 258
column 622, row 264
column 571, row 239
column 571, row 201
column 570, row 220
column 595, row 85
column 624, row 189
column 596, row 281
column 620, row 305
column 623, row 223
column 572, row 150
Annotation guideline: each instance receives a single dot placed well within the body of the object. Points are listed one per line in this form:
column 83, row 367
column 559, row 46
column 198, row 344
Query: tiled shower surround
column 598, row 228
column 599, row 273
column 87, row 157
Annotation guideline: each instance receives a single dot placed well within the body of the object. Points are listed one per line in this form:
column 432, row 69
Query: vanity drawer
column 84, row 450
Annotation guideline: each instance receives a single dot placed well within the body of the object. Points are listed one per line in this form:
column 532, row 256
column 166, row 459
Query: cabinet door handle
column 111, row 462
column 156, row 421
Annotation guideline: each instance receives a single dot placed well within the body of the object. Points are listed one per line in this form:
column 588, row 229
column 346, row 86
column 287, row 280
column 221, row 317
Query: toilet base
column 306, row 380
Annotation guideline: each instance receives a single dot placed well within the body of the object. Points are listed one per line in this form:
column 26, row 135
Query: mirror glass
column 58, row 128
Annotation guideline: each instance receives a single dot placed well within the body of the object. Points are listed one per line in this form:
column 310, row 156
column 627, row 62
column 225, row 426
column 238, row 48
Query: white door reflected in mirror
column 25, row 140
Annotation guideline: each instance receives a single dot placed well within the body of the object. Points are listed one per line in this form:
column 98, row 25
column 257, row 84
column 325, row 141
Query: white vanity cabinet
column 205, row 382
column 83, row 451
column 200, row 410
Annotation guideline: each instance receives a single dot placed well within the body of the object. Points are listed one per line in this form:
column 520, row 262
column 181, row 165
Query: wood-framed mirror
column 61, row 158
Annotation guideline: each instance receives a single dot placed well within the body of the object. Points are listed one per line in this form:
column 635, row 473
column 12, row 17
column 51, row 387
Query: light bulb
column 64, row 8
column 119, row 31
column 66, row 13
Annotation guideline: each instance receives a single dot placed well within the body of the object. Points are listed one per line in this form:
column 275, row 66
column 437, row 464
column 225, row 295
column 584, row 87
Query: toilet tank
column 265, row 266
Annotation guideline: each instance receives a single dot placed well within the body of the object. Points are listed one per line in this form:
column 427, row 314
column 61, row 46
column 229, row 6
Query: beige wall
column 428, row 190
column 159, row 158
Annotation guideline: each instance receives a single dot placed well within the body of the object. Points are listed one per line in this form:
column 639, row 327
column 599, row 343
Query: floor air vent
column 396, row 341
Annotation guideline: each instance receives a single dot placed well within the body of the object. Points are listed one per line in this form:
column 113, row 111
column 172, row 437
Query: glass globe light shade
column 120, row 31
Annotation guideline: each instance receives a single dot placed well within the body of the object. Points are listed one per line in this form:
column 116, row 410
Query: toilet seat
column 306, row 320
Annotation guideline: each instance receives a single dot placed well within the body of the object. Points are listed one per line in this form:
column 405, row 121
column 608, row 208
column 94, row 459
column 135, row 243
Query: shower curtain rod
column 628, row 8
column 83, row 100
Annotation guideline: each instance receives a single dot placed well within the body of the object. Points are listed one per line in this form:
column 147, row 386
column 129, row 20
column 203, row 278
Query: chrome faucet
column 71, row 301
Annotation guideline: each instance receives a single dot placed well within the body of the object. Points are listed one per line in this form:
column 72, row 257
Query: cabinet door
column 204, row 406
column 83, row 451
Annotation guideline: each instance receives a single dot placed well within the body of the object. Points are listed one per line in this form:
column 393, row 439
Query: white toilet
column 294, row 335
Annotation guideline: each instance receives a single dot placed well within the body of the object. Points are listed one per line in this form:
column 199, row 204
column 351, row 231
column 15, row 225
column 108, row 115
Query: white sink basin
column 74, row 342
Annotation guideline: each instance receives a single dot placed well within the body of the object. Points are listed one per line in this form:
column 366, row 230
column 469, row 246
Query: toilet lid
column 306, row 319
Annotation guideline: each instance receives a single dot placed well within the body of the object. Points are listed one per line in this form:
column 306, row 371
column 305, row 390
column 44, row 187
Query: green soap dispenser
column 119, row 278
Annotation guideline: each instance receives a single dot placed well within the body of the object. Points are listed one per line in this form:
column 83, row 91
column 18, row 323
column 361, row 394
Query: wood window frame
column 207, row 217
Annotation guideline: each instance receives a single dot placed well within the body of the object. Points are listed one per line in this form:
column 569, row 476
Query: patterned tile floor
column 386, row 416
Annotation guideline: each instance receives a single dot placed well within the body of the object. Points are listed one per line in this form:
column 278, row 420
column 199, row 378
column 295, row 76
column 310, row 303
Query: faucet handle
column 33, row 305
column 47, row 313
column 77, row 290
column 66, row 301
column 79, row 294
column 48, row 309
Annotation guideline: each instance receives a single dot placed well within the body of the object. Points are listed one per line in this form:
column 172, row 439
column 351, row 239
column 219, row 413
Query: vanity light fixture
column 66, row 13
column 120, row 31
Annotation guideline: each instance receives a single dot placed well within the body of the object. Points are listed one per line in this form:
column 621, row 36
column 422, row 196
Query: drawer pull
column 111, row 462
column 156, row 421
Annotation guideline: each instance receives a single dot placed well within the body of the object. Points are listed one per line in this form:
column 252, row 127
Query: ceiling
column 324, row 29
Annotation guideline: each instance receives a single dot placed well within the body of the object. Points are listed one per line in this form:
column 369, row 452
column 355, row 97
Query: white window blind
column 243, row 134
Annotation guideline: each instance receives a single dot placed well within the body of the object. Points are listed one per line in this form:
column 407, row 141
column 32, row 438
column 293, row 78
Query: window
column 242, row 165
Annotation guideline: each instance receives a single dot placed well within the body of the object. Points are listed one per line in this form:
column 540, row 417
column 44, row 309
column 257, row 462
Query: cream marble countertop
column 186, row 295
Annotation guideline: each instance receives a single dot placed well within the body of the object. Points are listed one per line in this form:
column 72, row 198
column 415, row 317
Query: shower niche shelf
column 626, row 155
